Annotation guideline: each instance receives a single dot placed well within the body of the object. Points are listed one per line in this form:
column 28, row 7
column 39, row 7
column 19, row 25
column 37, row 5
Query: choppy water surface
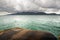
column 50, row 23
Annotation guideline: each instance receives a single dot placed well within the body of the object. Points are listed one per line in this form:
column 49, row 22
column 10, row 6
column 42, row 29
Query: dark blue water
column 50, row 23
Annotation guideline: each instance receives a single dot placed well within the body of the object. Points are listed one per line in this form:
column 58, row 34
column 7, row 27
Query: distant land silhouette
column 32, row 13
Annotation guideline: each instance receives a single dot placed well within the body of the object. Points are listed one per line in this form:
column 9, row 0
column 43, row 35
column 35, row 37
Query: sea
column 49, row 23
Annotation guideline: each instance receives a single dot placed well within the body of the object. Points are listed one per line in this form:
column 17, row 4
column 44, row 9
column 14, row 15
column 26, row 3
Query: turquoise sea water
column 50, row 23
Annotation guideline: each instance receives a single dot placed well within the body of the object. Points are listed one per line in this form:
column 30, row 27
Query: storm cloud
column 12, row 6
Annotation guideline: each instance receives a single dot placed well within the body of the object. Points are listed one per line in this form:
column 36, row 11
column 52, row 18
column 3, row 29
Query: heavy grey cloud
column 30, row 5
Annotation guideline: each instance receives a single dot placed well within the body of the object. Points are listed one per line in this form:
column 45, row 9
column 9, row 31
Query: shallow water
column 50, row 23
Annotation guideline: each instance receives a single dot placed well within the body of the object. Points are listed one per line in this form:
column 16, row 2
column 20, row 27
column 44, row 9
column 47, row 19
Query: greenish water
column 50, row 23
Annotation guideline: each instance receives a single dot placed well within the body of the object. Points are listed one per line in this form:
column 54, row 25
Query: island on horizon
column 32, row 13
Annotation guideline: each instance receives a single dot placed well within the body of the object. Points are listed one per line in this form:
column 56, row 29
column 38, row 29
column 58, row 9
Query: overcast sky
column 47, row 6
